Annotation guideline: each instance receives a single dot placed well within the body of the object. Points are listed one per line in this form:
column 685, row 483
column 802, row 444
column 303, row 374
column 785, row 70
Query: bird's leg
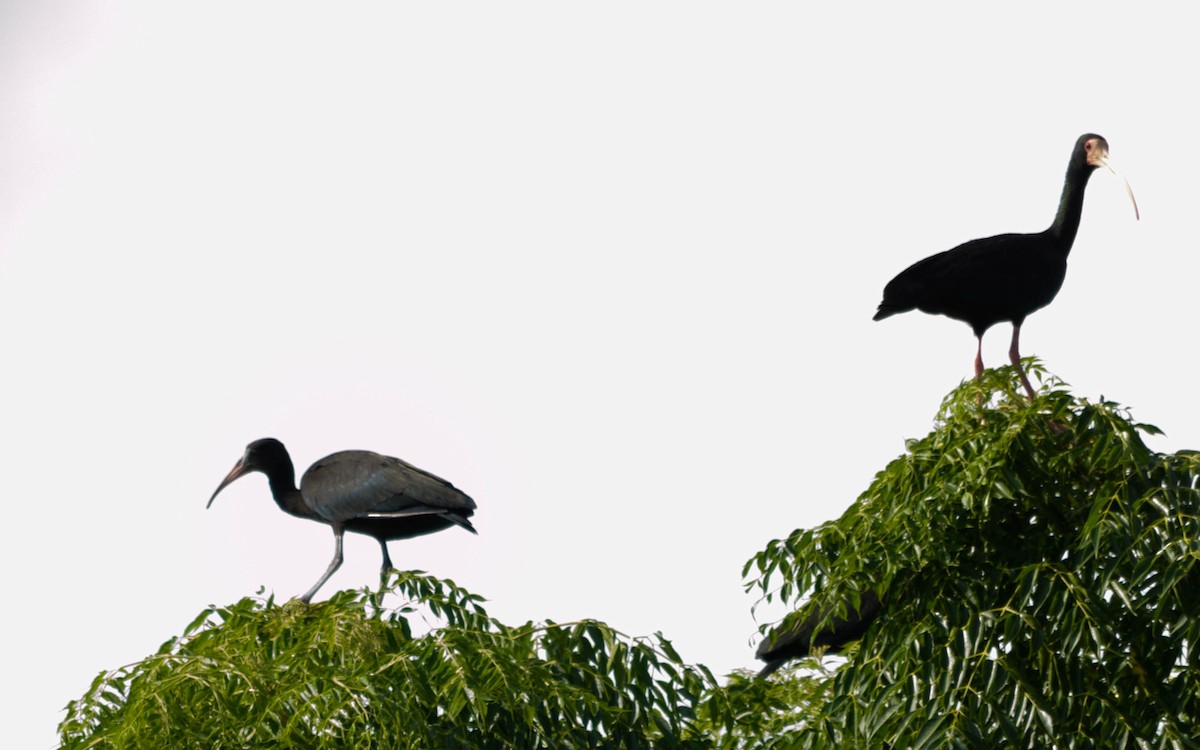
column 979, row 366
column 1014, row 356
column 333, row 564
column 387, row 566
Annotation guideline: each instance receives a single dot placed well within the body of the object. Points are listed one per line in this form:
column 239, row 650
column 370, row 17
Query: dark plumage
column 802, row 639
column 359, row 491
column 1006, row 277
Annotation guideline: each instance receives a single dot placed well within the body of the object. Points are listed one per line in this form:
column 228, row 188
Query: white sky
column 610, row 268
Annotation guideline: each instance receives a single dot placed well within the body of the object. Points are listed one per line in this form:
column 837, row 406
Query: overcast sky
column 608, row 267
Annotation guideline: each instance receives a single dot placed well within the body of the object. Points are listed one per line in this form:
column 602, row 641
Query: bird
column 1006, row 277
column 802, row 639
column 360, row 491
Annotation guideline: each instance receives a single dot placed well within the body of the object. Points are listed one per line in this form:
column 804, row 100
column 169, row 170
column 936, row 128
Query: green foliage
column 347, row 673
column 747, row 712
column 1040, row 579
column 1039, row 569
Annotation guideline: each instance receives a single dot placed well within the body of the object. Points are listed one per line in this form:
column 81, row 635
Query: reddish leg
column 979, row 356
column 1014, row 356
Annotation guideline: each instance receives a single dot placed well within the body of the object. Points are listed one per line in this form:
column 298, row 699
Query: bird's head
column 1092, row 151
column 262, row 455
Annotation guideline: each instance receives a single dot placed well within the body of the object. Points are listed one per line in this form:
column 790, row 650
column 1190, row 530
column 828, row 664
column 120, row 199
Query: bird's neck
column 287, row 497
column 1070, row 209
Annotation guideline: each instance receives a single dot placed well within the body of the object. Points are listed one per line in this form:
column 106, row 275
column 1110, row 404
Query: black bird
column 359, row 491
column 800, row 641
column 1006, row 277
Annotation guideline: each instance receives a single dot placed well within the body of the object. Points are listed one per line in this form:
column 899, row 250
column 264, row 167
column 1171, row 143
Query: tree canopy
column 1036, row 569
column 348, row 673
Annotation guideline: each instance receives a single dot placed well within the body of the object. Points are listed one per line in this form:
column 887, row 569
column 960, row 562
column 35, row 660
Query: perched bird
column 1006, row 277
column 359, row 491
column 802, row 639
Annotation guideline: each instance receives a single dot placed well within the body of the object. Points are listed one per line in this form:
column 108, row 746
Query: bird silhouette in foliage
column 1006, row 277
column 821, row 630
column 359, row 491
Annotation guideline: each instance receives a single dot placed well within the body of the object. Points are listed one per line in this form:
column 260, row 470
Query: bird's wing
column 352, row 484
column 459, row 517
column 977, row 274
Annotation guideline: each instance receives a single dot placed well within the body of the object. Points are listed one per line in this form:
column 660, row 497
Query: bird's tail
column 887, row 310
column 462, row 521
column 772, row 667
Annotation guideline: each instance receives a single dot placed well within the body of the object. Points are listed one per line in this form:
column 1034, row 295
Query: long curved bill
column 1128, row 190
column 239, row 469
column 1136, row 214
